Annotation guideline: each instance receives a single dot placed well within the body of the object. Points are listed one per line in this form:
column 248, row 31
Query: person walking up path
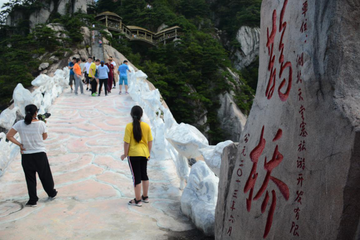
column 103, row 71
column 123, row 69
column 33, row 159
column 72, row 75
column 137, row 147
column 77, row 71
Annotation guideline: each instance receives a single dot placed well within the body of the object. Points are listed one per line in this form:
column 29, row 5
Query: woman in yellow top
column 137, row 147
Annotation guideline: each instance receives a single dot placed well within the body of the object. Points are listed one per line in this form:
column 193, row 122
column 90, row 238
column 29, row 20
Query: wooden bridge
column 113, row 22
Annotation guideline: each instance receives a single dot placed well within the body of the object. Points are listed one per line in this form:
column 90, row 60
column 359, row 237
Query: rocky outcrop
column 42, row 15
column 248, row 39
column 232, row 120
column 295, row 173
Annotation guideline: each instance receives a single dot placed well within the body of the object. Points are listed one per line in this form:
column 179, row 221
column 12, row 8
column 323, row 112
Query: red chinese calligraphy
column 305, row 8
column 247, row 137
column 300, row 179
column 268, row 166
column 294, row 229
column 301, row 163
column 299, row 80
column 243, row 151
column 297, row 213
column 298, row 196
column 300, row 95
column 283, row 66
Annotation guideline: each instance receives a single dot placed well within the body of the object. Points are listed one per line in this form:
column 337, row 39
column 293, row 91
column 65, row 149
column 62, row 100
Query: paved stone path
column 94, row 185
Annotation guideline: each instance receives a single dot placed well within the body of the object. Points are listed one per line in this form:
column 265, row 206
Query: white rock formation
column 187, row 140
column 212, row 156
column 8, row 117
column 199, row 198
column 47, row 89
column 249, row 39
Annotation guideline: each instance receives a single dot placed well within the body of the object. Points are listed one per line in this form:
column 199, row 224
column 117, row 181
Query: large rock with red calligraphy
column 296, row 171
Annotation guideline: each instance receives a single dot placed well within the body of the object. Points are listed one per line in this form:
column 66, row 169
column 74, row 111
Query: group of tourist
column 96, row 74
column 137, row 147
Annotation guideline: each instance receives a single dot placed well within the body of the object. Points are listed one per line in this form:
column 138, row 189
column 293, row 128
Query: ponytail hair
column 136, row 114
column 30, row 110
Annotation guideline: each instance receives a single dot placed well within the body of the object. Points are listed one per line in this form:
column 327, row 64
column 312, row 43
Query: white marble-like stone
column 8, row 117
column 22, row 97
column 212, row 156
column 187, row 140
column 199, row 198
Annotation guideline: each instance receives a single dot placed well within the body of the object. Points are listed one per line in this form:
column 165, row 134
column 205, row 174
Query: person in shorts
column 137, row 147
column 123, row 69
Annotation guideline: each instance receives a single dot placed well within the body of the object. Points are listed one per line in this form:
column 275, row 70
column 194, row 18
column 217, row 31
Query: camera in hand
column 44, row 116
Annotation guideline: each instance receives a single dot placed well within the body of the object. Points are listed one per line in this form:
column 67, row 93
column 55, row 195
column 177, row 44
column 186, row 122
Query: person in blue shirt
column 103, row 75
column 72, row 74
column 123, row 75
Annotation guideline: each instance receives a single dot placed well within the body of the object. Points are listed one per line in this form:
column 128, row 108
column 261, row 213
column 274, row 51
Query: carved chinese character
column 300, row 60
column 298, row 196
column 300, row 180
column 301, row 162
column 305, row 8
column 294, row 229
column 247, row 137
column 243, row 151
column 268, row 166
column 302, row 146
column 232, row 219
column 299, row 80
column 300, row 95
column 297, row 213
column 303, row 27
column 229, row 231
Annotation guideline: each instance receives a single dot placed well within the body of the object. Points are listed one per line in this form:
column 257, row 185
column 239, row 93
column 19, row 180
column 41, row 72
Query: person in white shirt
column 33, row 153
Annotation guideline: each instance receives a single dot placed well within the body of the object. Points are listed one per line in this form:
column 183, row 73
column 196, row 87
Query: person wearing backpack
column 137, row 147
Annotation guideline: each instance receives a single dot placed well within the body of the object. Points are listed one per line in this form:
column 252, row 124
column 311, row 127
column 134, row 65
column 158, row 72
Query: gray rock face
column 232, row 120
column 295, row 173
column 248, row 39
column 43, row 66
column 48, row 7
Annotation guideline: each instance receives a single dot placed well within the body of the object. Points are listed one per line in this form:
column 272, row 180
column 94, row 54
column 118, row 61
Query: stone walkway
column 94, row 185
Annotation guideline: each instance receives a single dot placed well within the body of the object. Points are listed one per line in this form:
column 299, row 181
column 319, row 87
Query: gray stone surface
column 248, row 39
column 232, row 120
column 43, row 66
column 295, row 173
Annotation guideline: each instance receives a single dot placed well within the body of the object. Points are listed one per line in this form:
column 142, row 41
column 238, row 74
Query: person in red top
column 111, row 75
column 77, row 73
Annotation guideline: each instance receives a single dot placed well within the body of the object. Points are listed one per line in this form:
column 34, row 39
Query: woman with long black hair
column 137, row 147
column 33, row 153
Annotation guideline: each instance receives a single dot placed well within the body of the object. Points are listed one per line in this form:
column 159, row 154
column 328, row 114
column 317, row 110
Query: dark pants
column 37, row 163
column 138, row 168
column 103, row 81
column 93, row 85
